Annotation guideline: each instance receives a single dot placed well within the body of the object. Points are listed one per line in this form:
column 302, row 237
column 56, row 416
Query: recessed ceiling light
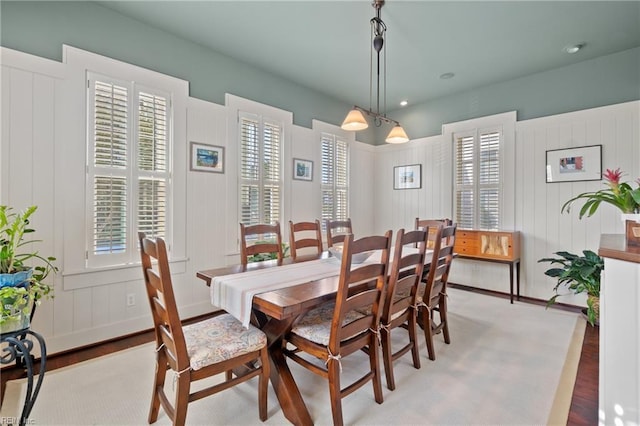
column 447, row 76
column 574, row 48
column 404, row 102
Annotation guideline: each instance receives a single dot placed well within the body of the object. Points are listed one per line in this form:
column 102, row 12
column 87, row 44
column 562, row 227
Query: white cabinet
column 619, row 376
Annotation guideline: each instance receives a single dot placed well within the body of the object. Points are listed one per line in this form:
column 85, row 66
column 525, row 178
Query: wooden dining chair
column 400, row 303
column 432, row 224
column 337, row 329
column 260, row 239
column 433, row 291
column 337, row 230
column 196, row 351
column 304, row 235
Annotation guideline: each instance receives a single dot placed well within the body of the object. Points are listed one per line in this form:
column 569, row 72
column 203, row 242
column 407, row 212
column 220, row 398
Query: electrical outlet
column 131, row 299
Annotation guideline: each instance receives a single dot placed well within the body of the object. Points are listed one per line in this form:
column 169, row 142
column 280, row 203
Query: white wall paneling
column 397, row 209
column 42, row 157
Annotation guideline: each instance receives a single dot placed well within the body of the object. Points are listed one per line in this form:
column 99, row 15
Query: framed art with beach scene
column 574, row 164
column 302, row 169
column 407, row 177
column 207, row 158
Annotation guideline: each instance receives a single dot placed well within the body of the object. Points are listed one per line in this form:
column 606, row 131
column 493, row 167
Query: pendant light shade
column 354, row 121
column 397, row 135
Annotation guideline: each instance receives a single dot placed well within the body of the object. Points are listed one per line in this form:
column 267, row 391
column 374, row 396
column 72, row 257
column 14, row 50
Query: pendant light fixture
column 355, row 119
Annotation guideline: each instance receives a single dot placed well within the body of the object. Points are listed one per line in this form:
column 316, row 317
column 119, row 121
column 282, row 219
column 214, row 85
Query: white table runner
column 234, row 293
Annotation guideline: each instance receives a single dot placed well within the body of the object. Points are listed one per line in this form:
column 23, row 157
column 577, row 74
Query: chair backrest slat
column 337, row 230
column 360, row 286
column 432, row 225
column 306, row 241
column 438, row 275
column 164, row 310
column 259, row 232
column 406, row 272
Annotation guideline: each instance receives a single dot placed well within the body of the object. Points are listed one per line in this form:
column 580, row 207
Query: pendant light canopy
column 355, row 119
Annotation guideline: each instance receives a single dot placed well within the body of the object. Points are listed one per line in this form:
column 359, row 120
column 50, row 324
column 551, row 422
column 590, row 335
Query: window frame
column 131, row 172
column 505, row 122
column 75, row 273
column 477, row 186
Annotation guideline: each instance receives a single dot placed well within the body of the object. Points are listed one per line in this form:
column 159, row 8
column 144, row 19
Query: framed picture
column 302, row 169
column 207, row 158
column 574, row 164
column 407, row 177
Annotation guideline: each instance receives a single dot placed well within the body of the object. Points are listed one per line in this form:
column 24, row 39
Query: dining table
column 275, row 307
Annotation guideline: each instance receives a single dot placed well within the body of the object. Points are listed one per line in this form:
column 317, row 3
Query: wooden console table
column 491, row 246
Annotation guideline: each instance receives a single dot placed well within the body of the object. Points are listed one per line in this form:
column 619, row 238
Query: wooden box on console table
column 491, row 246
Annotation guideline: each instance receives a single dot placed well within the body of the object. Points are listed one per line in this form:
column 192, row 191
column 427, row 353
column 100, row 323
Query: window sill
column 86, row 278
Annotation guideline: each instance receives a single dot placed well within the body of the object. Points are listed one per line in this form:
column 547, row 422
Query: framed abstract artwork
column 574, row 164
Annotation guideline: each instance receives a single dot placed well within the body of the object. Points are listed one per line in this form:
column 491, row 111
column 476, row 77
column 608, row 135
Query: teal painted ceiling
column 325, row 45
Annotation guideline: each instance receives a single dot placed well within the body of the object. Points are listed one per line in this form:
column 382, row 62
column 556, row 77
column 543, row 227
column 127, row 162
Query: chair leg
column 183, row 383
column 263, row 384
column 412, row 329
column 428, row 334
column 443, row 319
column 375, row 368
column 387, row 357
column 158, row 386
column 333, row 369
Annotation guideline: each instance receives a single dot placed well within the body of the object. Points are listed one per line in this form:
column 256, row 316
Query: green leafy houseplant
column 260, row 257
column 21, row 284
column 619, row 194
column 581, row 274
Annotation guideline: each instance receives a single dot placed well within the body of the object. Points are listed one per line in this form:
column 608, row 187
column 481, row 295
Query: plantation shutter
column 334, row 178
column 477, row 179
column 260, row 170
column 109, row 131
column 489, row 181
column 153, row 171
column 128, row 168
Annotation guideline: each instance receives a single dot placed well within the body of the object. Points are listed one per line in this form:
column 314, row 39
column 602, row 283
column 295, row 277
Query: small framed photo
column 207, row 158
column 574, row 164
column 407, row 177
column 302, row 169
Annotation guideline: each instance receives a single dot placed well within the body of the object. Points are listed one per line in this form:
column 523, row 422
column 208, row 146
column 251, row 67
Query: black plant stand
column 18, row 349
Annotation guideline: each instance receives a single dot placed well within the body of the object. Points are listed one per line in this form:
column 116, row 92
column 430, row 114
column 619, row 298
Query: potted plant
column 22, row 271
column 581, row 274
column 618, row 194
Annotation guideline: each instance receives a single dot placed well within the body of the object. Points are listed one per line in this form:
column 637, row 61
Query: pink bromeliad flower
column 613, row 177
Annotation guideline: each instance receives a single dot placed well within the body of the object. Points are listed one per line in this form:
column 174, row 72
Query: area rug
column 507, row 364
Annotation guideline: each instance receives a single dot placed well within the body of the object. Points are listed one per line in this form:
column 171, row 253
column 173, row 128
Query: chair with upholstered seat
column 337, row 230
column 326, row 335
column 305, row 235
column 260, row 239
column 213, row 346
column 433, row 291
column 400, row 302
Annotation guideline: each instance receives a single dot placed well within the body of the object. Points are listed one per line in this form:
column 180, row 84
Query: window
column 260, row 169
column 128, row 173
column 334, row 178
column 477, row 179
